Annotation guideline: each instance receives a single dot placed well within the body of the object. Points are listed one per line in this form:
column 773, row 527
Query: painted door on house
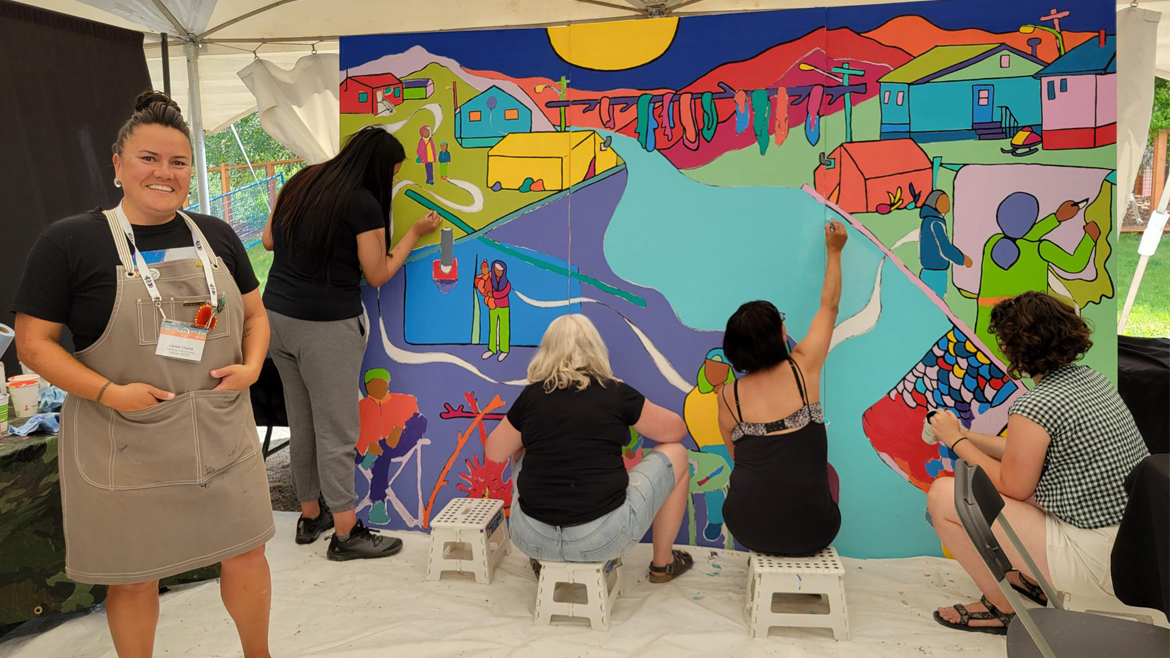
column 983, row 104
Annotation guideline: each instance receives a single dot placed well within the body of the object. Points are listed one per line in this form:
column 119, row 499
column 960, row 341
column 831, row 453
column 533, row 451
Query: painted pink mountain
column 777, row 66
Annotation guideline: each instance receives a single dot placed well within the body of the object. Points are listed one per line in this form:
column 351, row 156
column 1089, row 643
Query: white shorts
column 1078, row 559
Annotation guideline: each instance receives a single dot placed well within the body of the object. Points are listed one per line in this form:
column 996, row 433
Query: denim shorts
column 603, row 539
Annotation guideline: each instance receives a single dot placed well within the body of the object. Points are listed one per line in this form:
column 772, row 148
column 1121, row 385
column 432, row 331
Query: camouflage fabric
column 32, row 542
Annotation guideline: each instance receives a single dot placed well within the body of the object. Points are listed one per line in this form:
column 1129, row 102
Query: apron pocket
column 154, row 447
column 225, row 429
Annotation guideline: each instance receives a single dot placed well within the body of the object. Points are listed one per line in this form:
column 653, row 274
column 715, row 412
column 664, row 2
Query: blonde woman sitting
column 565, row 432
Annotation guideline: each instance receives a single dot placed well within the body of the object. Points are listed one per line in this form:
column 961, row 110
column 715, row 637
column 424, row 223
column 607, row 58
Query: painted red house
column 860, row 176
column 370, row 94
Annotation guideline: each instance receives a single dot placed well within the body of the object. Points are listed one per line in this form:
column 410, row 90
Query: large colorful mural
column 655, row 174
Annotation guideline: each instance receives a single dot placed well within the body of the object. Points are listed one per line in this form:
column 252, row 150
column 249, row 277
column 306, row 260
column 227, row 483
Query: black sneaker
column 362, row 544
column 308, row 530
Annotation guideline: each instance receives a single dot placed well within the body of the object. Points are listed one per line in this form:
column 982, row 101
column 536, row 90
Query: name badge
column 181, row 340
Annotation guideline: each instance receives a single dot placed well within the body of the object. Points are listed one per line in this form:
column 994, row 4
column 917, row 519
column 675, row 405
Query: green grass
column 261, row 263
column 1151, row 311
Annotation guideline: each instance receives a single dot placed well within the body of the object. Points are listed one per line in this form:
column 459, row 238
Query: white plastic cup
column 24, row 393
column 3, row 414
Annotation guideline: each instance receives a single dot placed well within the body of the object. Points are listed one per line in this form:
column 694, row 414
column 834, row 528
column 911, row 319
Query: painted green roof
column 934, row 60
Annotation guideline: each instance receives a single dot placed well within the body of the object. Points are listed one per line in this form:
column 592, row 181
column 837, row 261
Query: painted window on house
column 984, row 97
column 901, row 97
column 1005, row 61
column 886, row 98
column 397, row 92
column 1063, row 85
column 473, row 116
column 363, row 97
column 511, row 115
column 1051, row 90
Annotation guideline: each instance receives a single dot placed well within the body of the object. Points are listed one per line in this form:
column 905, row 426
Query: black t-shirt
column 573, row 470
column 71, row 273
column 294, row 290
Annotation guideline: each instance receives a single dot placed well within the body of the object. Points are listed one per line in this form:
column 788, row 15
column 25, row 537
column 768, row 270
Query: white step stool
column 556, row 594
column 479, row 524
column 1113, row 607
column 821, row 574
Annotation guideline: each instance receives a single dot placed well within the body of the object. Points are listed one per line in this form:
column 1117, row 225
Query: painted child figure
column 444, row 160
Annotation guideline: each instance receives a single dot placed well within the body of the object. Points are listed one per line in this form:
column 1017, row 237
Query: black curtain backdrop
column 66, row 86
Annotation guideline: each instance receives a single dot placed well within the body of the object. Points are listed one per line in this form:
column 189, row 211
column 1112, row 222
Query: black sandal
column 1030, row 590
column 535, row 564
column 966, row 617
column 682, row 563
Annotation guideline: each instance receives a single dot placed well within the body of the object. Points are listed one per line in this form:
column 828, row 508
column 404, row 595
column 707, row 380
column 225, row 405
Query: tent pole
column 166, row 64
column 197, row 127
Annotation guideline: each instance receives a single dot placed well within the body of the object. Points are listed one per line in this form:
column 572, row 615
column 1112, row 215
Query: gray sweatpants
column 319, row 364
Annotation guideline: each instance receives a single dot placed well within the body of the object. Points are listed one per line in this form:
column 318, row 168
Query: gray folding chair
column 1043, row 632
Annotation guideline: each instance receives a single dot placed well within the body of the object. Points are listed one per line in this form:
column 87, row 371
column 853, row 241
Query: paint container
column 7, row 335
column 24, row 390
column 3, row 414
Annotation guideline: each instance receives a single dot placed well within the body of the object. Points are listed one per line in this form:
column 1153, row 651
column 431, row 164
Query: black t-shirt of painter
column 294, row 290
column 71, row 273
column 573, row 470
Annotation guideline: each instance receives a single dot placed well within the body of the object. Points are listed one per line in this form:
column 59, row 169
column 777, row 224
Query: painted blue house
column 489, row 117
column 952, row 93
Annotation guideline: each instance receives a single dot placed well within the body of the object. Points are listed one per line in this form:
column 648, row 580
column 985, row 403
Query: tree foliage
column 1160, row 119
column 260, row 147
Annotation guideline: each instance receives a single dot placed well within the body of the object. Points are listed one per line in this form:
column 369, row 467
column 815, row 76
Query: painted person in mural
column 1018, row 259
column 426, row 153
column 774, row 427
column 497, row 295
column 565, row 434
column 935, row 251
column 329, row 229
column 159, row 466
column 1070, row 444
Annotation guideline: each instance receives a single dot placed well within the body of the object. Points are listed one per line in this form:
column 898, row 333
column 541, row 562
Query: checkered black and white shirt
column 1095, row 444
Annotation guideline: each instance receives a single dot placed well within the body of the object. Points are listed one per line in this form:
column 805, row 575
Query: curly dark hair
column 152, row 108
column 1038, row 334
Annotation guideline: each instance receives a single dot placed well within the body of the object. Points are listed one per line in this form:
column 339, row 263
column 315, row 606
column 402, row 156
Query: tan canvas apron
column 180, row 485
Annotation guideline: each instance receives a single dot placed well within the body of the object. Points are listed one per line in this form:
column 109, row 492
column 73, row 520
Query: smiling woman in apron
column 160, row 465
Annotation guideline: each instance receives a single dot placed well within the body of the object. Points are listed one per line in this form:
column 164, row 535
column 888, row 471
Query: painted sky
column 702, row 45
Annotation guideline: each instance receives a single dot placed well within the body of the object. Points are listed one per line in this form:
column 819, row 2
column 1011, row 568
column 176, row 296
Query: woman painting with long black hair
column 331, row 227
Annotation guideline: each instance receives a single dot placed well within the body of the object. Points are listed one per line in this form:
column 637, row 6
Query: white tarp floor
column 385, row 608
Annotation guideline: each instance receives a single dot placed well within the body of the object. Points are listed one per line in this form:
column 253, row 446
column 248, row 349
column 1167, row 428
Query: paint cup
column 3, row 414
column 24, row 390
column 7, row 335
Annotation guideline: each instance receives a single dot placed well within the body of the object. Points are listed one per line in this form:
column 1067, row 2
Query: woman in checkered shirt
column 1070, row 444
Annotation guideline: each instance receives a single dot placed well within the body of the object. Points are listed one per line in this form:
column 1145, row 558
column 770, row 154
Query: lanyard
column 144, row 269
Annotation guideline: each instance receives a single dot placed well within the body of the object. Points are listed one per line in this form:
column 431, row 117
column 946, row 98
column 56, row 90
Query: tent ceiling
column 281, row 31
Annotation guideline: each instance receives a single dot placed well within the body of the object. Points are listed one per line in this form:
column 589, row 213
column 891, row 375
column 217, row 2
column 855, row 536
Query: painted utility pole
column 846, row 73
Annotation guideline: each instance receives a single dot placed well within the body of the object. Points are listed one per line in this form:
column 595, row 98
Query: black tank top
column 779, row 501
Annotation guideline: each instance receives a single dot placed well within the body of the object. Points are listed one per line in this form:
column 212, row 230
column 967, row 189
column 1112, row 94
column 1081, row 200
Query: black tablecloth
column 1141, row 556
column 1143, row 380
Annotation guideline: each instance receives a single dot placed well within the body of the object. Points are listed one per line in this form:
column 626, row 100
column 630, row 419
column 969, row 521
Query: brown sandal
column 966, row 617
column 682, row 563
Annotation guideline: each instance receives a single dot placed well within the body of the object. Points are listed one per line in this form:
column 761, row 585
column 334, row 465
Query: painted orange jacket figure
column 483, row 283
column 383, row 414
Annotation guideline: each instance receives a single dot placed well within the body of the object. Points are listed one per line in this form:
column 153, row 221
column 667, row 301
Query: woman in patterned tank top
column 1070, row 444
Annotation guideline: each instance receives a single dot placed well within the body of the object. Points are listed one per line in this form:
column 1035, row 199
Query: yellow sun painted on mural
column 613, row 46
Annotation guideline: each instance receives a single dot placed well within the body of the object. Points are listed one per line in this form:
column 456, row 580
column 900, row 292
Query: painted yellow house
column 552, row 160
